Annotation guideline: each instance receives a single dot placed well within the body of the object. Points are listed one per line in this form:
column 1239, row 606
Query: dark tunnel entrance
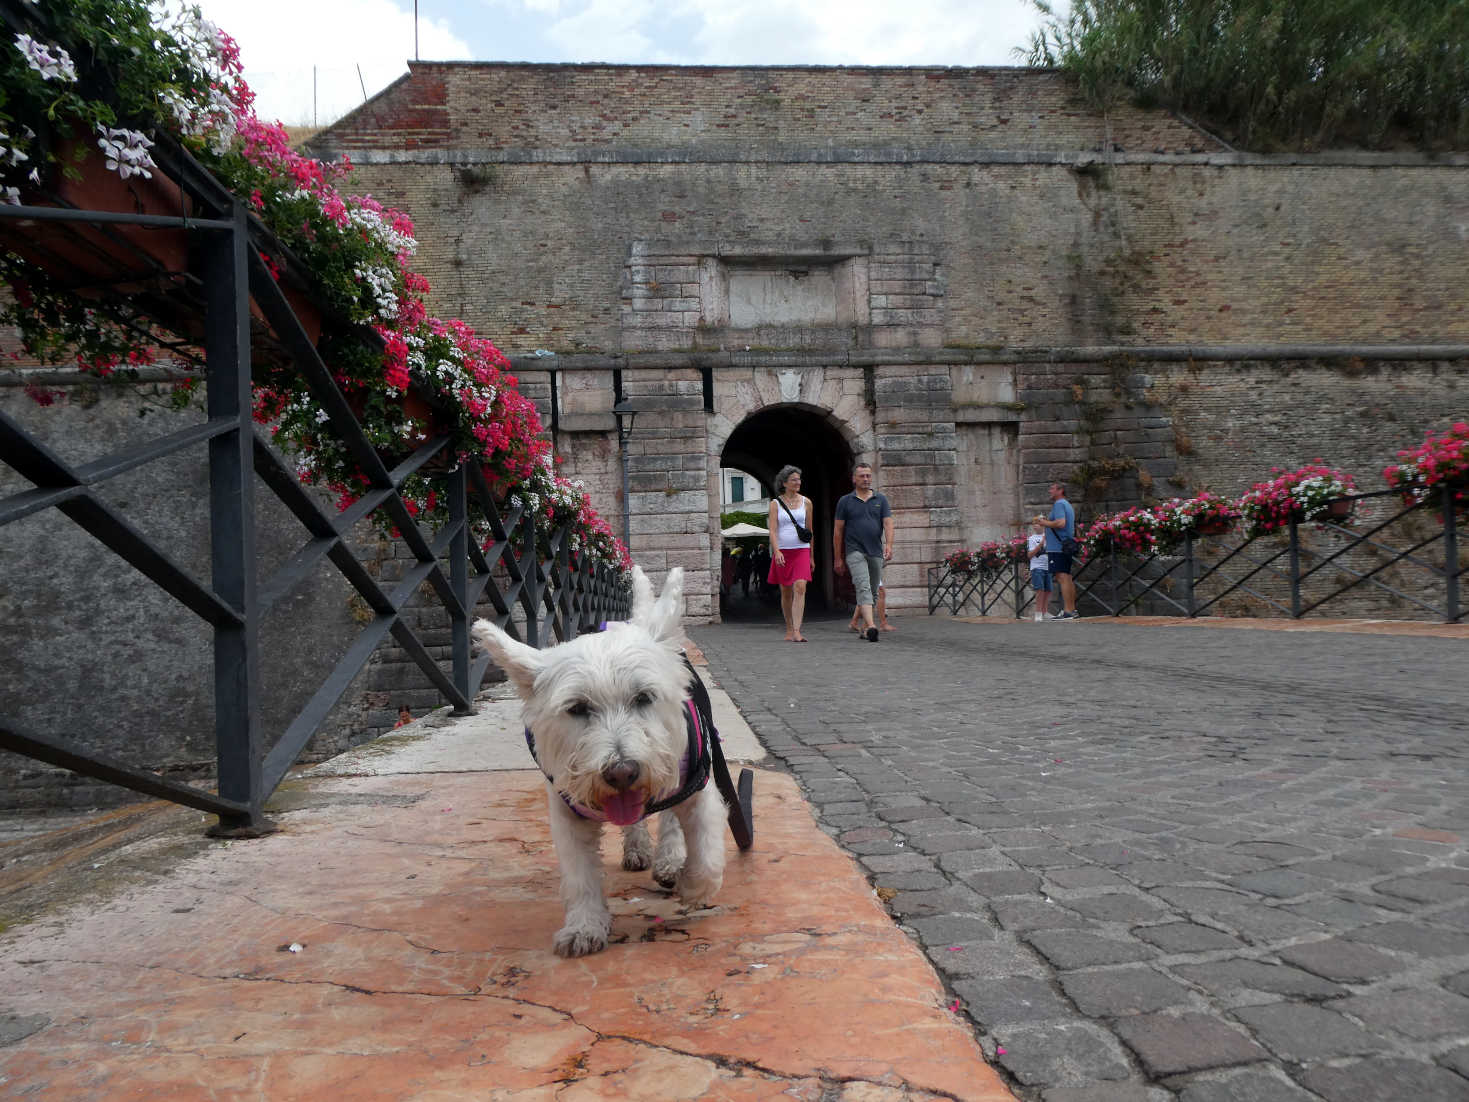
column 764, row 443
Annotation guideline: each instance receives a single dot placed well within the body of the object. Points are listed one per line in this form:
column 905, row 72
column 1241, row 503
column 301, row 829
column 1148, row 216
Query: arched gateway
column 807, row 438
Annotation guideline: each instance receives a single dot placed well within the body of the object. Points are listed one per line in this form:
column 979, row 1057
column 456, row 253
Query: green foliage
column 1273, row 74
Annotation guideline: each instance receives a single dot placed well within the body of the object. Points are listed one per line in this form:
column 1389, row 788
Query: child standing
column 1040, row 574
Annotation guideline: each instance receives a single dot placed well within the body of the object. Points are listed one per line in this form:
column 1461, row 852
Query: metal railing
column 535, row 587
column 1277, row 574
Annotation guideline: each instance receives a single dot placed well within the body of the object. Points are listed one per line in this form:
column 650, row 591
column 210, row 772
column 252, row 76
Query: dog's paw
column 579, row 941
column 637, row 848
column 698, row 891
column 666, row 872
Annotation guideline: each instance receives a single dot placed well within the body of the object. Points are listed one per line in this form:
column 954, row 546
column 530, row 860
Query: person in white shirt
column 1040, row 574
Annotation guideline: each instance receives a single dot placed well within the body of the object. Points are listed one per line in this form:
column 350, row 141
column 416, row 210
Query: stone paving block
column 1386, row 858
column 1000, row 957
column 942, row 901
column 912, row 881
column 1186, row 937
column 1383, row 1079
column 1085, row 876
column 1408, row 937
column 1061, row 1053
column 1044, row 857
column 1107, row 1092
column 1341, row 872
column 1340, row 914
column 1456, row 1060
column 1249, row 1085
column 952, row 929
column 1113, row 992
column 1002, row 883
column 1209, row 901
column 1068, row 949
column 1116, row 907
column 1341, row 960
column 935, row 844
column 904, row 814
column 1304, row 1032
column 897, row 862
column 974, row 860
column 1268, row 924
column 1141, row 825
column 1457, row 917
column 1112, row 853
column 1458, row 984
column 1171, row 1044
column 1025, row 913
column 1279, row 852
column 1423, row 1015
column 993, row 1001
column 1279, row 883
column 1437, row 886
column 1227, row 976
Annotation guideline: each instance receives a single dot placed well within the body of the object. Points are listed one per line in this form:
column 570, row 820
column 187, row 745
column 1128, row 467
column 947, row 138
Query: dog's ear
column 520, row 662
column 664, row 619
column 642, row 595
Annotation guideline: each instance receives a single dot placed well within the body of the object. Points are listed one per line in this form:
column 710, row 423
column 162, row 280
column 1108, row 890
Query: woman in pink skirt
column 790, row 556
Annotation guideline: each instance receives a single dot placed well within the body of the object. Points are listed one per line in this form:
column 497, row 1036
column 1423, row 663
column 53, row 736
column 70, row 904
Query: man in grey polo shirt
column 862, row 539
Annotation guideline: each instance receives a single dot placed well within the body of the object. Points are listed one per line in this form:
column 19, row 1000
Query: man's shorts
column 1060, row 562
column 1040, row 579
column 866, row 572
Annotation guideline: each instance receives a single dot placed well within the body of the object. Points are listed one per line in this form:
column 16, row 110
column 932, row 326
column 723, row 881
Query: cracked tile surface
column 421, row 910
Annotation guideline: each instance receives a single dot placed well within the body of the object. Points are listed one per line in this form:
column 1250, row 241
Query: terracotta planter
column 115, row 254
column 1213, row 528
column 1340, row 509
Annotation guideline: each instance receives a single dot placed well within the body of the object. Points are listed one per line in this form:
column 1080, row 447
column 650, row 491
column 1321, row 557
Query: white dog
column 605, row 718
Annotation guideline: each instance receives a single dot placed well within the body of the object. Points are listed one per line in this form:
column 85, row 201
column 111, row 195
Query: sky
column 311, row 61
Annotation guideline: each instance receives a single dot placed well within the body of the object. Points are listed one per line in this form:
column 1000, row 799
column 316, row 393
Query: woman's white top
column 785, row 532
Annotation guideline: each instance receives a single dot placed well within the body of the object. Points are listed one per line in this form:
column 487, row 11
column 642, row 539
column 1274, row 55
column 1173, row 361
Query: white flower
column 12, row 196
column 126, row 152
column 51, row 65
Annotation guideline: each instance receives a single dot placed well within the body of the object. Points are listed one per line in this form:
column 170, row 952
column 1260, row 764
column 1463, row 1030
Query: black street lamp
column 625, row 415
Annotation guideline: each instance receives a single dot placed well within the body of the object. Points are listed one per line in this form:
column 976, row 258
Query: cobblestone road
column 1214, row 864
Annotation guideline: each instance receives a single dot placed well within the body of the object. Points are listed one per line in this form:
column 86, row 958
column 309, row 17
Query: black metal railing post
column 1188, row 575
column 1451, row 555
column 457, row 487
column 1295, row 569
column 238, row 742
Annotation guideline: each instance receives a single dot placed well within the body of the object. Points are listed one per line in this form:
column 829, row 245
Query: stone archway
column 766, row 441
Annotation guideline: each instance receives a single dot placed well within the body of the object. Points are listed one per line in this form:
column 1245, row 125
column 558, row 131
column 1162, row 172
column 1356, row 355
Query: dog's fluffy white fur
column 606, row 710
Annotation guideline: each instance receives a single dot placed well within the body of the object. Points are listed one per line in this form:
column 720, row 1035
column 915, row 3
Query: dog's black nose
column 621, row 775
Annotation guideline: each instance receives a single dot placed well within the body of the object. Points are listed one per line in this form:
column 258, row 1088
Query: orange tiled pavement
column 423, row 907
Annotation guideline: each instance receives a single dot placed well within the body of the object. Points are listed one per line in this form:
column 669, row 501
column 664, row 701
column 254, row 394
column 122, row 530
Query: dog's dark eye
column 642, row 700
column 580, row 709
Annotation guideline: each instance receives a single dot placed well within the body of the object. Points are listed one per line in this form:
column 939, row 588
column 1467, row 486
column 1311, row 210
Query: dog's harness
column 693, row 769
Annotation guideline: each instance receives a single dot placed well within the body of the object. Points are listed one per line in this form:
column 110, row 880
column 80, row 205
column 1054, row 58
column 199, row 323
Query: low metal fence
column 1406, row 562
column 533, row 584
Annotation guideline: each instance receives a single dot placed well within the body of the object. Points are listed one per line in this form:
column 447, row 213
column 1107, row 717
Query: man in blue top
column 1061, row 525
column 862, row 540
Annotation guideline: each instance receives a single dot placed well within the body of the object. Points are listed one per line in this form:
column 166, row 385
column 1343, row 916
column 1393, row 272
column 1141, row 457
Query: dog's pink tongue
column 623, row 809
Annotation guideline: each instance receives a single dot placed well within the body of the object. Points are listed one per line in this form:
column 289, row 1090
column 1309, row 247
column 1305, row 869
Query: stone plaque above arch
column 813, row 296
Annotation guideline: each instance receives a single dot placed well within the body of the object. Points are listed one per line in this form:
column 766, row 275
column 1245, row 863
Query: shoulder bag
column 802, row 532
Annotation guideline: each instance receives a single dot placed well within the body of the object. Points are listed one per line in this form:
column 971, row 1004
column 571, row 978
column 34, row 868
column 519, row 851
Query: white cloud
column 779, row 32
column 313, row 59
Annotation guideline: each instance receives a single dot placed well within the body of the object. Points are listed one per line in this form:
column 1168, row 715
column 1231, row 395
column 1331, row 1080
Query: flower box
column 114, row 253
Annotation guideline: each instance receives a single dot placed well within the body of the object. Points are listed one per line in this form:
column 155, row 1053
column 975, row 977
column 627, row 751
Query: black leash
column 739, row 798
